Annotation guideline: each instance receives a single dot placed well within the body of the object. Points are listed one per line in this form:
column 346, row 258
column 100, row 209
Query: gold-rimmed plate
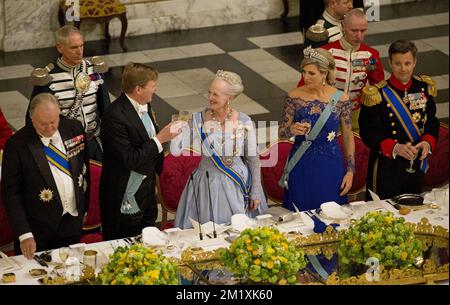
column 37, row 272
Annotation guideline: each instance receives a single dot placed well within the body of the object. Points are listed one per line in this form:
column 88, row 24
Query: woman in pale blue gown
column 228, row 178
column 320, row 175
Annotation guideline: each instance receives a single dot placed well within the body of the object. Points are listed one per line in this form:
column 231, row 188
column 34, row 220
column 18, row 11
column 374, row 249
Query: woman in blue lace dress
column 228, row 178
column 320, row 174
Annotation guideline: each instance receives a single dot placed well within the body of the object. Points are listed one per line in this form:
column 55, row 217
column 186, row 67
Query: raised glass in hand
column 184, row 115
column 308, row 123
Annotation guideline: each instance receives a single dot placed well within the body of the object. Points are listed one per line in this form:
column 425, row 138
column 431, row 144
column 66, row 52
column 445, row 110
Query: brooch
column 315, row 109
column 416, row 117
column 331, row 136
column 46, row 195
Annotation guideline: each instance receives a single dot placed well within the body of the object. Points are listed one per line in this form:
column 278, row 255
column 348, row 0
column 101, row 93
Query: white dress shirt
column 140, row 109
column 64, row 183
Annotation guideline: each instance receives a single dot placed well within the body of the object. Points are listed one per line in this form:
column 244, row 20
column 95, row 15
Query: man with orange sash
column 398, row 123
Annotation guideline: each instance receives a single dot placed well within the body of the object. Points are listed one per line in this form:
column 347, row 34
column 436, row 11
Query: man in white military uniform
column 78, row 85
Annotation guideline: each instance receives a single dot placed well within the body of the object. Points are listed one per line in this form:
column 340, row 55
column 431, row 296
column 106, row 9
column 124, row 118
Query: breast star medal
column 46, row 195
column 331, row 136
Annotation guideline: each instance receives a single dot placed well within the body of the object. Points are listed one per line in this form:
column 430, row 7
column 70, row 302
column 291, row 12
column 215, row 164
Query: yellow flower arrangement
column 379, row 235
column 263, row 255
column 138, row 265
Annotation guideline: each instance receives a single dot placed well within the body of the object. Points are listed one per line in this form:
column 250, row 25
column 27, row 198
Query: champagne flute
column 308, row 122
column 410, row 169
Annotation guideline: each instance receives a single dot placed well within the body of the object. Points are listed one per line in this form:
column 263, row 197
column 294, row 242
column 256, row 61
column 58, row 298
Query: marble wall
column 30, row 24
column 26, row 24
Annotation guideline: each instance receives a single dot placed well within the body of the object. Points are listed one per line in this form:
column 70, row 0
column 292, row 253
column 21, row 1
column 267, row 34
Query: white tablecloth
column 189, row 237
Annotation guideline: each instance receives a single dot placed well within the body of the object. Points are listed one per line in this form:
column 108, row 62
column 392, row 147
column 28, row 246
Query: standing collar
column 347, row 46
column 399, row 85
column 63, row 65
column 327, row 16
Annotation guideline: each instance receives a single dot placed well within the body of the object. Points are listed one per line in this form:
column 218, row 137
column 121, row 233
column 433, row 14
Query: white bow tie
column 142, row 109
column 52, row 139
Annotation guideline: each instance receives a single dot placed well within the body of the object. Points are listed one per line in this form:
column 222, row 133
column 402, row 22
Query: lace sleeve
column 284, row 131
column 251, row 156
column 345, row 111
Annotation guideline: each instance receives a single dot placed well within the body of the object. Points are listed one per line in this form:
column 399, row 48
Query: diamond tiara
column 229, row 77
column 313, row 54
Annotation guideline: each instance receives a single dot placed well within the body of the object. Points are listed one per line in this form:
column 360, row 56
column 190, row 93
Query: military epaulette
column 100, row 65
column 370, row 95
column 430, row 82
column 381, row 84
column 41, row 76
column 317, row 32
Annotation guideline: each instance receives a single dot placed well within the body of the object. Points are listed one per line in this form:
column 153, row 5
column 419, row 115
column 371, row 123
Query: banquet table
column 189, row 238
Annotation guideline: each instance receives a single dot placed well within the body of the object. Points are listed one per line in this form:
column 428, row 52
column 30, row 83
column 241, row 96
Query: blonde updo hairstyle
column 323, row 60
column 234, row 81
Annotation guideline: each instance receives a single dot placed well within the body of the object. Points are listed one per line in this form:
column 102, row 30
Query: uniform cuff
column 160, row 148
column 25, row 236
column 387, row 147
column 430, row 140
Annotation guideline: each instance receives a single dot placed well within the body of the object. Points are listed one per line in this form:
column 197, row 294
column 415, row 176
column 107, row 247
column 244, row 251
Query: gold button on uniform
column 388, row 105
column 394, row 132
column 391, row 115
column 392, row 124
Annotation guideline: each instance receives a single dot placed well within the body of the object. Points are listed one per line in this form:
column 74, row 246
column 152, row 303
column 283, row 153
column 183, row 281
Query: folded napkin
column 333, row 210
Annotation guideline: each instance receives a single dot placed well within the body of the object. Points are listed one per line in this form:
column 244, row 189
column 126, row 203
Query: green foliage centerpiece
column 263, row 255
column 379, row 235
column 138, row 265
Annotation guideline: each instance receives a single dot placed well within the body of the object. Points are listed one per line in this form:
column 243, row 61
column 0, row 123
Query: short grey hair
column 356, row 12
column 42, row 99
column 234, row 81
column 64, row 32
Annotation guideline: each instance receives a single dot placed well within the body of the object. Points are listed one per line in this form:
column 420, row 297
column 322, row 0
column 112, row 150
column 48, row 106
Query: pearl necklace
column 227, row 117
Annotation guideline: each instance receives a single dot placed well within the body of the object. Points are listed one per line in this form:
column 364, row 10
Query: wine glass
column 410, row 169
column 308, row 122
column 63, row 253
column 184, row 115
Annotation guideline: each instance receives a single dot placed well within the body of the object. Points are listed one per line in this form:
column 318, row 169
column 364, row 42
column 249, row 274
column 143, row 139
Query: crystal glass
column 410, row 169
column 63, row 253
column 307, row 121
column 184, row 115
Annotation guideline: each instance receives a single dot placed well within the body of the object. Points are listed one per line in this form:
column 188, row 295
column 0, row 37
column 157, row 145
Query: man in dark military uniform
column 398, row 123
column 328, row 28
column 78, row 85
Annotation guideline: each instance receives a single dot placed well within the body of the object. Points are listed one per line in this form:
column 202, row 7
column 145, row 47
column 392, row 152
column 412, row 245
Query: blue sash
column 219, row 164
column 403, row 115
column 129, row 204
column 58, row 159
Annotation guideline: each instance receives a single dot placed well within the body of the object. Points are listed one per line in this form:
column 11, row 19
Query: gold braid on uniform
column 430, row 82
column 370, row 95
